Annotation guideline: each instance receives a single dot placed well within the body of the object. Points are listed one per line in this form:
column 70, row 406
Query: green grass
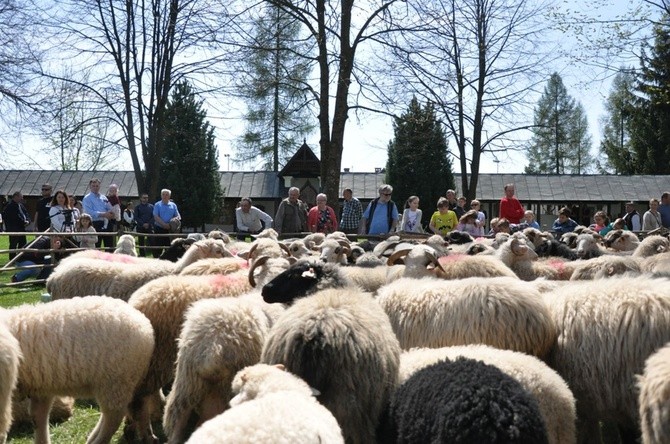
column 86, row 413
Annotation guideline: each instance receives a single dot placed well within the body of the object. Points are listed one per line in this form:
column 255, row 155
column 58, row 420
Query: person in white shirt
column 411, row 216
column 249, row 218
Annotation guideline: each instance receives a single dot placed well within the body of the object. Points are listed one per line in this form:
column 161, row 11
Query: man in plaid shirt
column 351, row 212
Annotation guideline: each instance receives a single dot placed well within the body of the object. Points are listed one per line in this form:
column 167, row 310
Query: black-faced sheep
column 654, row 399
column 501, row 312
column 219, row 337
column 589, row 246
column 10, row 353
column 303, row 278
column 92, row 347
column 555, row 400
column 606, row 331
column 271, row 406
column 554, row 248
column 463, row 401
column 341, row 343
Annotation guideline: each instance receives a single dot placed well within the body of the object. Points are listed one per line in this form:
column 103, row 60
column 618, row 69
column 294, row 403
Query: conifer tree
column 418, row 162
column 650, row 119
column 560, row 143
column 189, row 166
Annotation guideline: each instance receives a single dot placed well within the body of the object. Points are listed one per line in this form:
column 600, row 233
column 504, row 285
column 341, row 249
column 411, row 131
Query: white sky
column 366, row 141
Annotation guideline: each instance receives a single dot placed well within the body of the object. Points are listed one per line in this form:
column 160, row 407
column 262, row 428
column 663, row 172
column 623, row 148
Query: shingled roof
column 267, row 185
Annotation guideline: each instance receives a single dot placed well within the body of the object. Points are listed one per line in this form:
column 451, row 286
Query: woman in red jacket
column 321, row 218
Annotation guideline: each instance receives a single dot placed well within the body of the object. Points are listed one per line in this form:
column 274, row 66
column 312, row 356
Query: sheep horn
column 434, row 260
column 285, row 248
column 250, row 255
column 397, row 255
column 257, row 263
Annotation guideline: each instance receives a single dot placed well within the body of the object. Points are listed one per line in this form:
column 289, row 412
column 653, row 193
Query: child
column 411, row 217
column 468, row 223
column 619, row 224
column 601, row 221
column 529, row 220
column 564, row 224
column 84, row 225
column 443, row 220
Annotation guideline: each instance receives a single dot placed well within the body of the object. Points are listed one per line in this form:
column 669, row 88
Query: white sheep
column 219, row 337
column 652, row 245
column 165, row 301
column 658, row 265
column 605, row 266
column 92, row 347
column 341, row 343
column 606, row 331
column 501, row 312
column 83, row 277
column 10, row 354
column 225, row 265
column 462, row 266
column 654, row 398
column 554, row 398
column 271, row 407
column 126, row 245
column 518, row 256
column 334, row 251
column 620, row 240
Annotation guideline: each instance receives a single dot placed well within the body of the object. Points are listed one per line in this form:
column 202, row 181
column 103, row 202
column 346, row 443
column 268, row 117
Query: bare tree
column 339, row 29
column 132, row 53
column 479, row 61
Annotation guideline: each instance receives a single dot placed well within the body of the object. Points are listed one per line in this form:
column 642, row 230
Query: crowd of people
column 96, row 213
column 382, row 217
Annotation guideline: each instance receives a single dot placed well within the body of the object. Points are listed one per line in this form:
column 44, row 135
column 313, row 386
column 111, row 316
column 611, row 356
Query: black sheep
column 462, row 401
column 552, row 247
column 303, row 278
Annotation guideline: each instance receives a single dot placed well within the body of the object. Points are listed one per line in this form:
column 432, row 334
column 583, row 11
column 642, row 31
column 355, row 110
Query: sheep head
column 303, row 278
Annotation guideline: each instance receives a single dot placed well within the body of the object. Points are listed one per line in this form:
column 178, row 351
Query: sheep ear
column 280, row 367
column 309, row 273
column 238, row 399
column 315, row 392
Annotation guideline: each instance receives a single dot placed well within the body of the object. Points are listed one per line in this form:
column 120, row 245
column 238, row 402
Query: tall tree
column 478, row 61
column 189, row 163
column 418, row 162
column 615, row 144
column 273, row 85
column 560, row 142
column 134, row 52
column 650, row 121
column 338, row 29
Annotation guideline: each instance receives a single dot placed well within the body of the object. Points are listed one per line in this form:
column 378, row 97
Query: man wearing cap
column 632, row 217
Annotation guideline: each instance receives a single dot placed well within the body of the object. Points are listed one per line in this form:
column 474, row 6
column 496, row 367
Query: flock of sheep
column 517, row 339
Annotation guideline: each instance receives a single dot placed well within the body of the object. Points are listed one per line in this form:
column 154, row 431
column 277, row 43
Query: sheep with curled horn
column 334, row 251
column 265, row 247
column 417, row 261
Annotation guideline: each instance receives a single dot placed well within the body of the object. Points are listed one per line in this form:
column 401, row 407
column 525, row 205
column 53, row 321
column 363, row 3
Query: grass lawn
column 86, row 414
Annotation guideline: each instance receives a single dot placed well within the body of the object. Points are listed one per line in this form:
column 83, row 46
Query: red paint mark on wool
column 122, row 258
column 557, row 265
column 220, row 281
column 451, row 258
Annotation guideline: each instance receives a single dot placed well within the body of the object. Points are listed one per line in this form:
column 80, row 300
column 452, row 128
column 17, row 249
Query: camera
column 67, row 213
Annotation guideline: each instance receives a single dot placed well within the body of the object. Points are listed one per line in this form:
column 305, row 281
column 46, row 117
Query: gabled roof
column 304, row 163
column 267, row 185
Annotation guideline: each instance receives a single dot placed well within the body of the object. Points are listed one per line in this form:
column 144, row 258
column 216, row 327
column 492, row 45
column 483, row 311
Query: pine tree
column 650, row 120
column 189, row 167
column 560, row 143
column 418, row 162
column 615, row 144
column 273, row 84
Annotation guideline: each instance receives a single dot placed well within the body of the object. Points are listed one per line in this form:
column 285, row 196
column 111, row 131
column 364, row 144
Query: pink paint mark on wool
column 122, row 258
column 451, row 258
column 221, row 281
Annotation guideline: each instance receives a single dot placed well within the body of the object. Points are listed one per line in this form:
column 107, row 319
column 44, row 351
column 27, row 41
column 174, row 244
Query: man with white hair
column 381, row 215
column 291, row 215
column 164, row 212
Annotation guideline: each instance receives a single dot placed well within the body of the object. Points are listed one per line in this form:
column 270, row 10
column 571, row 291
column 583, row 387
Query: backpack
column 389, row 210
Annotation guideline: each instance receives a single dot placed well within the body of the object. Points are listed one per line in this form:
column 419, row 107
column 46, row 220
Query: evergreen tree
column 189, row 166
column 418, row 162
column 560, row 143
column 273, row 84
column 615, row 145
column 650, row 119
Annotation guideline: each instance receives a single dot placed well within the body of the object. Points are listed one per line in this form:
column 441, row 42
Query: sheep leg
column 106, row 427
column 39, row 410
column 212, row 405
column 139, row 428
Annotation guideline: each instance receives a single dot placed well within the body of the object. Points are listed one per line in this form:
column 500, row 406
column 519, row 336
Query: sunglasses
column 386, row 194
